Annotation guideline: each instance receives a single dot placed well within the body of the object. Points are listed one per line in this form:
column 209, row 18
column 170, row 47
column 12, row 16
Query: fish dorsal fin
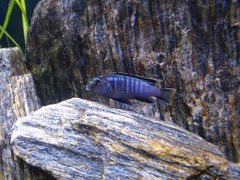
column 149, row 80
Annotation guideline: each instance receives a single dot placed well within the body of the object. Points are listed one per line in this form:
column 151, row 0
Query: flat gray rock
column 80, row 139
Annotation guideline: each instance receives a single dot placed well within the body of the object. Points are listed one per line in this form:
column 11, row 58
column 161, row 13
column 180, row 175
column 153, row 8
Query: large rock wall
column 192, row 46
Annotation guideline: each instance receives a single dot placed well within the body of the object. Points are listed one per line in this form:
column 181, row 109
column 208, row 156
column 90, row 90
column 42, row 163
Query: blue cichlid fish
column 122, row 87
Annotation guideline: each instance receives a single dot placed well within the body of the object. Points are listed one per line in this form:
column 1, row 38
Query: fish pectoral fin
column 125, row 101
column 146, row 99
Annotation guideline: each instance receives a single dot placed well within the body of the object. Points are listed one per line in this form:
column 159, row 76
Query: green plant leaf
column 22, row 6
column 9, row 12
column 10, row 37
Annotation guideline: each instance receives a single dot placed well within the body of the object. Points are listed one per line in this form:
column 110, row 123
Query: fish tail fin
column 166, row 95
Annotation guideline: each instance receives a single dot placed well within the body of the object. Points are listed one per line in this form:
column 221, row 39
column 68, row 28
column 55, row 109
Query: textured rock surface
column 17, row 99
column 78, row 139
column 191, row 46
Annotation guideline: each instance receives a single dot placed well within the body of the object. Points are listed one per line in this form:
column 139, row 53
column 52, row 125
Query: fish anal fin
column 145, row 99
column 125, row 101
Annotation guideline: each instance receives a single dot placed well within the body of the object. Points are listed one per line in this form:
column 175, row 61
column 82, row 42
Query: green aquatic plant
column 10, row 37
column 22, row 5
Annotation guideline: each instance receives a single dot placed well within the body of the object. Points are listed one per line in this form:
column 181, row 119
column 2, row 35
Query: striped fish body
column 121, row 87
column 129, row 87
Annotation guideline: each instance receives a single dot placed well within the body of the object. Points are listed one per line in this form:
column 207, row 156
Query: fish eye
column 97, row 83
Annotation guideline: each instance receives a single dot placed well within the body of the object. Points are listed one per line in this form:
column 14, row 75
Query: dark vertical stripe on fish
column 125, row 87
column 119, row 83
column 137, row 86
column 116, row 82
column 110, row 79
column 128, row 85
column 132, row 85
